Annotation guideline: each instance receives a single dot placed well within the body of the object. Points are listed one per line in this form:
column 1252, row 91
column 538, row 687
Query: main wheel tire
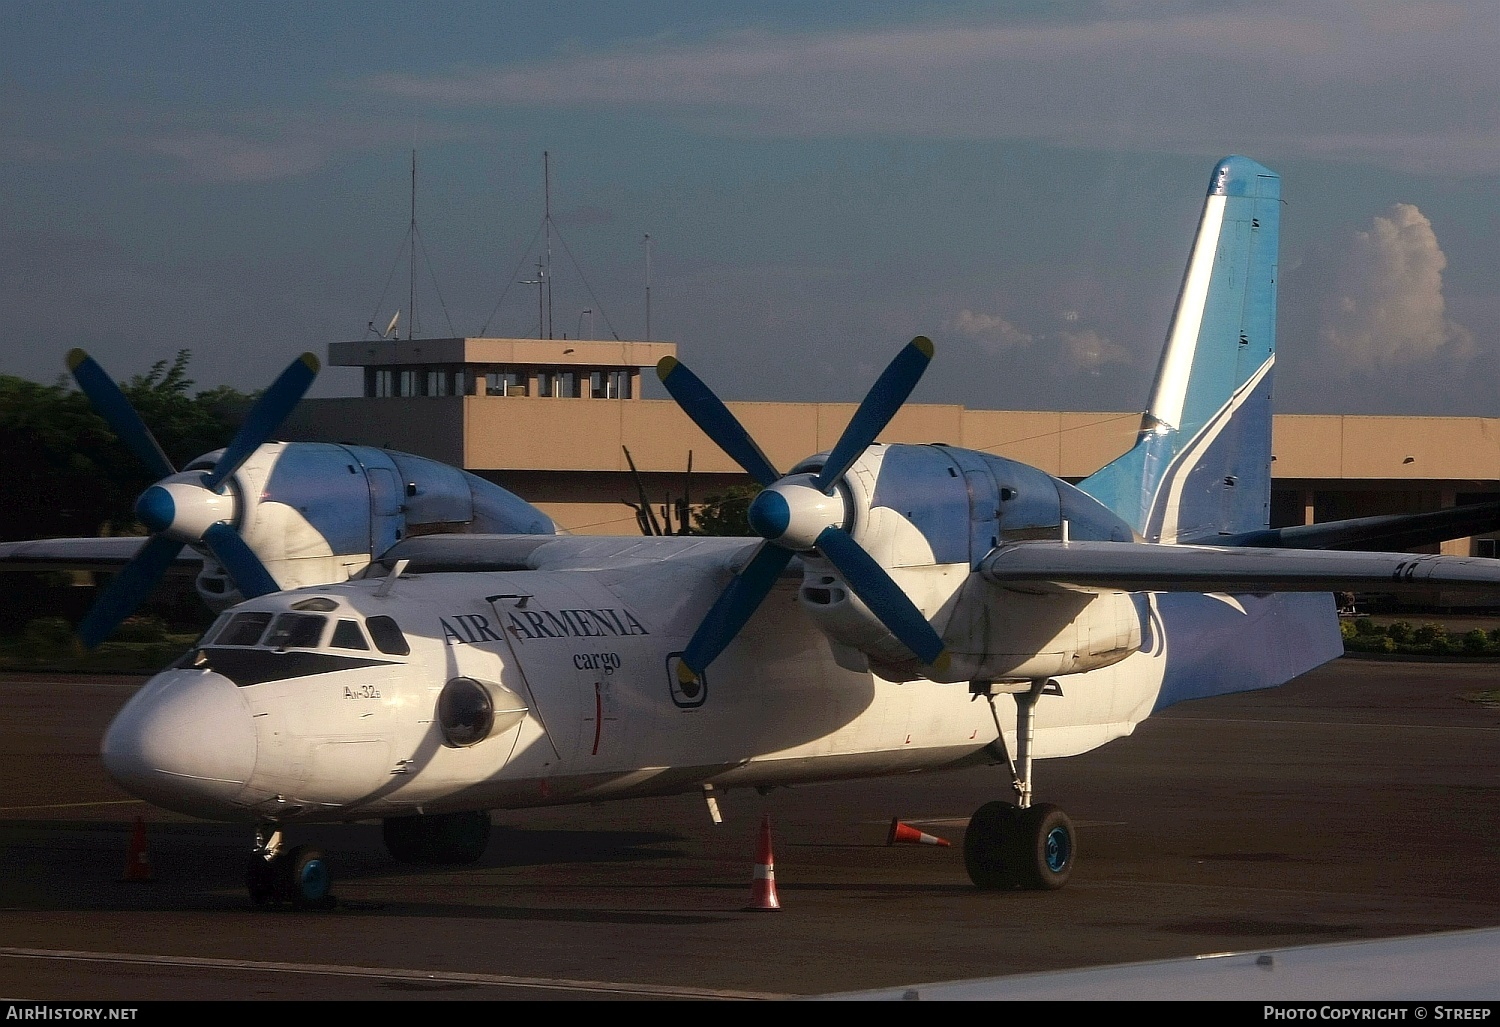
column 990, row 846
column 460, row 837
column 405, row 838
column 1046, row 847
column 306, row 878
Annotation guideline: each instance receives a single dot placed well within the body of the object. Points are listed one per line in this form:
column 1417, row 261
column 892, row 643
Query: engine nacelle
column 929, row 515
column 997, row 634
column 316, row 513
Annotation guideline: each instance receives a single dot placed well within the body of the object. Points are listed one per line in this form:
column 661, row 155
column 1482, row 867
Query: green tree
column 725, row 512
column 68, row 473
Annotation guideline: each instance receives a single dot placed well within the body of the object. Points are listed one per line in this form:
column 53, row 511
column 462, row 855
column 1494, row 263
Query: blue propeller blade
column 111, row 404
column 708, row 412
column 267, row 414
column 733, row 609
column 876, row 410
column 128, row 589
column 882, row 595
column 249, row 574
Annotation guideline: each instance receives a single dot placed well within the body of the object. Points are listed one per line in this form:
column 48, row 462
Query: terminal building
column 561, row 422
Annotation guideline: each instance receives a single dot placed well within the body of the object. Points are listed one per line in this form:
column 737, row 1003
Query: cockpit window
column 243, row 629
column 296, row 631
column 346, row 635
column 388, row 637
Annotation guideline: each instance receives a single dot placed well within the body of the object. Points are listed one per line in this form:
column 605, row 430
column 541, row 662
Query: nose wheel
column 296, row 876
column 1019, row 845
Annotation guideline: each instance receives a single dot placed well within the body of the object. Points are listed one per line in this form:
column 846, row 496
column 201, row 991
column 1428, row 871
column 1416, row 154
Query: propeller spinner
column 188, row 508
column 804, row 512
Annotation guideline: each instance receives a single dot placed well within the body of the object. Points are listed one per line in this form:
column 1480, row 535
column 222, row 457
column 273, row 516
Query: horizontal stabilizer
column 1147, row 567
column 1383, row 533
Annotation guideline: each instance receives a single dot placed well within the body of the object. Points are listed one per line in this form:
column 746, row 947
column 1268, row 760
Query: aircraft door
column 587, row 657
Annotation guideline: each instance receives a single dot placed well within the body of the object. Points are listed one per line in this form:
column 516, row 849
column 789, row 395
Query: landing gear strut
column 276, row 874
column 1018, row 845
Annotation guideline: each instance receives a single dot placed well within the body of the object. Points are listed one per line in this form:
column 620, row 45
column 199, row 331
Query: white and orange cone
column 905, row 834
column 137, row 863
column 763, row 885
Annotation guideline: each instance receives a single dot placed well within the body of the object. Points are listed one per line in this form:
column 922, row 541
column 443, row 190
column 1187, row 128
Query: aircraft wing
column 439, row 553
column 1147, row 567
column 86, row 554
column 1384, row 532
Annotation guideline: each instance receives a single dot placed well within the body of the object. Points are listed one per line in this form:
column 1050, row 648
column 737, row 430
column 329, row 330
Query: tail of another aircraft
column 1201, row 465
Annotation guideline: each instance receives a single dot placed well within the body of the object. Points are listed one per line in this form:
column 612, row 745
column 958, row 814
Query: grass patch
column 141, row 645
column 1404, row 638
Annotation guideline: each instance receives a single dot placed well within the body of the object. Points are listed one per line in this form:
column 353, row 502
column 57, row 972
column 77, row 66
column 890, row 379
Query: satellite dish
column 390, row 329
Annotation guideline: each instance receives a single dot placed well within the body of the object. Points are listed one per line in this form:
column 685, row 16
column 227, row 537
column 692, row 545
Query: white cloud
column 1090, row 350
column 1386, row 307
column 991, row 331
column 217, row 157
column 1335, row 78
column 1086, row 350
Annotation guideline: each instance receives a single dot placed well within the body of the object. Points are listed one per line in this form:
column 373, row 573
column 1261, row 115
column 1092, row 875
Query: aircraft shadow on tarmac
column 78, row 865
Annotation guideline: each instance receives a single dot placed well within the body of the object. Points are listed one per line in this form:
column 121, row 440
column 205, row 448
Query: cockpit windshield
column 241, row 629
column 296, row 631
column 254, row 646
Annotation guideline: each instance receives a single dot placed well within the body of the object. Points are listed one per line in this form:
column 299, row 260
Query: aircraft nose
column 185, row 742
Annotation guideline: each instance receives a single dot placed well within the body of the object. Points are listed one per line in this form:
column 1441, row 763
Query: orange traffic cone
column 908, row 835
column 137, row 863
column 763, row 885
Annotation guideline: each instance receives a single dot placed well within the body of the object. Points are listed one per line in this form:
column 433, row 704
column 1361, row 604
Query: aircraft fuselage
column 277, row 715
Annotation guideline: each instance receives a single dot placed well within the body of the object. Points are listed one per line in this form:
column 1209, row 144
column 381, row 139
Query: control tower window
column 504, row 383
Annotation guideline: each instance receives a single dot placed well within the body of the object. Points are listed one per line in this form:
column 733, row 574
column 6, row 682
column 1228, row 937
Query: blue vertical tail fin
column 1201, row 465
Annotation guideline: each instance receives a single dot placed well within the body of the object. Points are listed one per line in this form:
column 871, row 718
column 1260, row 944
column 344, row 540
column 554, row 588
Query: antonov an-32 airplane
column 905, row 608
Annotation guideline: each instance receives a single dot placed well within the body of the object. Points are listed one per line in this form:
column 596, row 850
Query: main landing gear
column 1018, row 845
column 295, row 876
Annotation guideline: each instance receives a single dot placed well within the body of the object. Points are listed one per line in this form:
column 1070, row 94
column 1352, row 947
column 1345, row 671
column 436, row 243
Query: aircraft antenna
column 547, row 226
column 412, row 247
column 411, row 278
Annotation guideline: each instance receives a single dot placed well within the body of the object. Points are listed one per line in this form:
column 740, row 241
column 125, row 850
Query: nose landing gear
column 295, row 876
column 1019, row 845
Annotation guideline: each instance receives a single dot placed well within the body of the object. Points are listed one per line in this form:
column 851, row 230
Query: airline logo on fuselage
column 528, row 624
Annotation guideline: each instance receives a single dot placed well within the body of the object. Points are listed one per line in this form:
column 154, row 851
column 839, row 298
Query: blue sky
column 820, row 181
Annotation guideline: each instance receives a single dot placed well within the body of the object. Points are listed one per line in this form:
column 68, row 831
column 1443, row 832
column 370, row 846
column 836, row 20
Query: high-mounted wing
column 1148, row 567
column 86, row 554
column 1382, row 532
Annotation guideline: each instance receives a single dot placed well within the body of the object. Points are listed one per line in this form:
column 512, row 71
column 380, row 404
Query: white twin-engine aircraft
column 905, row 608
